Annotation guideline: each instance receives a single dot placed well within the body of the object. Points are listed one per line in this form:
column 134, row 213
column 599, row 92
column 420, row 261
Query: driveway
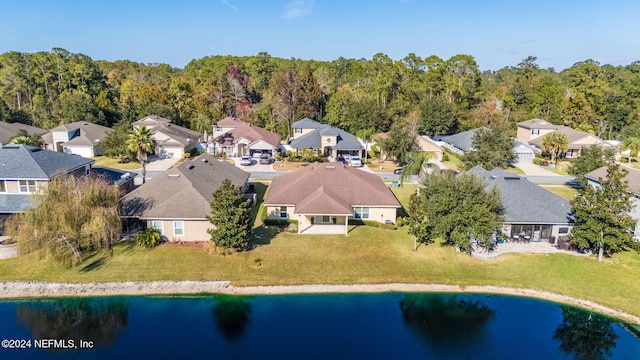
column 532, row 169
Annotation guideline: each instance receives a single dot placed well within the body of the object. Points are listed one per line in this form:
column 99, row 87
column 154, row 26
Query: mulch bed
column 191, row 244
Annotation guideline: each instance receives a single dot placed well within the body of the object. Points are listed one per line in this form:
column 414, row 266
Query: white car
column 355, row 161
column 245, row 161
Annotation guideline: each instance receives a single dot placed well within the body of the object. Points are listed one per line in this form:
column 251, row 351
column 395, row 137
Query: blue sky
column 497, row 33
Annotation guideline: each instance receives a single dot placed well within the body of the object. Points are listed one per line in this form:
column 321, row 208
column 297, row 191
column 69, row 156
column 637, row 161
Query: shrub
column 399, row 221
column 148, row 238
column 288, row 154
column 372, row 224
column 279, row 222
column 445, row 157
column 213, row 250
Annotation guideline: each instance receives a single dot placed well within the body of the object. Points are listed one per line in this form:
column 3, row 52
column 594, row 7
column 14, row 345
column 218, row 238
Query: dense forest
column 432, row 96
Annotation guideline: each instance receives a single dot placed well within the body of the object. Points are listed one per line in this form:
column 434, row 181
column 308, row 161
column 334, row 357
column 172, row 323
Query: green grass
column 113, row 163
column 367, row 256
column 563, row 191
column 454, row 163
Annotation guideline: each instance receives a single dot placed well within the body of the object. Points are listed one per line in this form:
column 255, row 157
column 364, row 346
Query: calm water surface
column 344, row 326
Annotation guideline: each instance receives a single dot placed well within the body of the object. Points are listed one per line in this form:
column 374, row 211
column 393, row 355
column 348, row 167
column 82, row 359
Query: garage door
column 525, row 157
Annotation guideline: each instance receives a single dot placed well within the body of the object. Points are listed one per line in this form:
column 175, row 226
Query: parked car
column 265, row 159
column 355, row 161
column 257, row 155
column 245, row 161
column 398, row 171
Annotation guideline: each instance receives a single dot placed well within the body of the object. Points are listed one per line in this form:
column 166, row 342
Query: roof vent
column 205, row 160
column 493, row 177
column 330, row 167
column 512, row 177
column 190, row 166
column 174, row 175
column 125, row 175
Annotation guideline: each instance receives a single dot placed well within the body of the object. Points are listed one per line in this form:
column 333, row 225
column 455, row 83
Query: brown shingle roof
column 573, row 136
column 182, row 192
column 248, row 131
column 329, row 188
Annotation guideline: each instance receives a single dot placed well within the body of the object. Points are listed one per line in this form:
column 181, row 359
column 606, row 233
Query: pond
column 336, row 326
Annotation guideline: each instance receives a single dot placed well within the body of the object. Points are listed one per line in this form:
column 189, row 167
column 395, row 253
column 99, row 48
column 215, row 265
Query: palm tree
column 366, row 135
column 22, row 137
column 141, row 142
column 417, row 162
column 633, row 145
column 555, row 143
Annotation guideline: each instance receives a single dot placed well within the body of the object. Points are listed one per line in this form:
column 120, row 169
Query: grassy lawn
column 385, row 166
column 286, row 165
column 367, row 256
column 454, row 163
column 113, row 163
column 561, row 168
column 563, row 191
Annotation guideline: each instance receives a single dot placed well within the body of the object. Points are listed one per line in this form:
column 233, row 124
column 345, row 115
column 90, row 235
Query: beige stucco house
column 323, row 197
column 533, row 131
column 172, row 141
column 234, row 137
column 177, row 202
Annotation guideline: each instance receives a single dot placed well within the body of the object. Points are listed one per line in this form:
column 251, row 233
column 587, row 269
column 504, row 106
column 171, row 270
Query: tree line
column 431, row 95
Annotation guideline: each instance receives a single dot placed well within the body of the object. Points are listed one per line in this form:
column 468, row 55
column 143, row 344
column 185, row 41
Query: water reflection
column 91, row 319
column 445, row 318
column 231, row 315
column 586, row 335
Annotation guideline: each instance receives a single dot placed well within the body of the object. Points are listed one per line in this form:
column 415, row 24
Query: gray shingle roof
column 9, row 130
column 462, row 141
column 632, row 178
column 182, row 192
column 306, row 123
column 28, row 162
column 313, row 139
column 87, row 133
column 180, row 134
column 524, row 201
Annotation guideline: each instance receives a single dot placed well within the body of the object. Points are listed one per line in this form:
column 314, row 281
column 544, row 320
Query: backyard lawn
column 113, row 163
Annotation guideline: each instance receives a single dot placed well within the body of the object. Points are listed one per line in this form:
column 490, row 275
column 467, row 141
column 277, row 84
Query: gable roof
column 537, row 124
column 182, row 192
column 313, row 139
column 9, row 130
column 88, row 134
column 151, row 121
column 329, row 189
column 462, row 141
column 524, row 201
column 248, row 131
column 179, row 135
column 306, row 123
column 28, row 162
column 632, row 178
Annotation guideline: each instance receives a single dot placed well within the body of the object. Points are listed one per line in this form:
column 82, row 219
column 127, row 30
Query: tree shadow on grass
column 262, row 235
column 94, row 262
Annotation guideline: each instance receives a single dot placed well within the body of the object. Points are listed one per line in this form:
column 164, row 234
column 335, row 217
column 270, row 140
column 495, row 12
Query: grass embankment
column 367, row 256
column 114, row 164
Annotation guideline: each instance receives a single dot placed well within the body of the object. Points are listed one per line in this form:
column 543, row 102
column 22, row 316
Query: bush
column 372, row 224
column 445, row 157
column 537, row 161
column 288, row 154
column 148, row 238
column 279, row 222
column 213, row 250
column 399, row 221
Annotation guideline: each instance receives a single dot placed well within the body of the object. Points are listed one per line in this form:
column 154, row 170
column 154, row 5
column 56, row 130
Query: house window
column 360, row 212
column 535, row 131
column 3, row 187
column 569, row 153
column 218, row 128
column 563, row 230
column 283, row 212
column 178, row 228
column 322, row 219
column 298, row 130
column 27, row 186
column 157, row 225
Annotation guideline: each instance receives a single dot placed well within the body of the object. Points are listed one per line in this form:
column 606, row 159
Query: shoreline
column 35, row 289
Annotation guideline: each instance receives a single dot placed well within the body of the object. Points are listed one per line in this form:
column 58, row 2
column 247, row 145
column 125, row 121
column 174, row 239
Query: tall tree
column 590, row 158
column 555, row 143
column 602, row 219
column 491, row 148
column 631, row 143
column 455, row 209
column 115, row 143
column 438, row 117
column 74, row 218
column 417, row 163
column 230, row 217
column 22, row 137
column 141, row 142
column 399, row 142
column 367, row 136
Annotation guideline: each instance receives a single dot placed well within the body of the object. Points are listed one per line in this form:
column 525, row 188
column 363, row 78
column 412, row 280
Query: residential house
column 177, row 202
column 425, row 144
column 9, row 130
column 533, row 131
column 323, row 197
column 123, row 180
column 26, row 169
column 323, row 139
column 462, row 143
column 633, row 184
column 78, row 138
column 532, row 213
column 234, row 138
column 172, row 141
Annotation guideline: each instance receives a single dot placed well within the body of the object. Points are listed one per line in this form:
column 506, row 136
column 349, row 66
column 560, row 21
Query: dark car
column 398, row 171
column 265, row 159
